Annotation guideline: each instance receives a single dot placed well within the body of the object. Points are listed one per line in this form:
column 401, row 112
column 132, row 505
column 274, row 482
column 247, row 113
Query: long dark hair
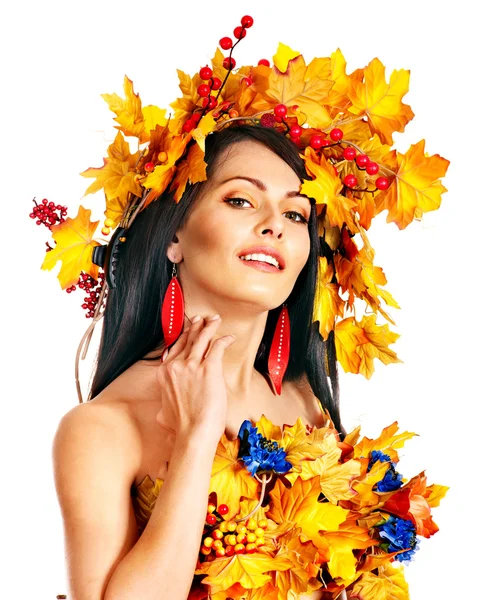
column 132, row 323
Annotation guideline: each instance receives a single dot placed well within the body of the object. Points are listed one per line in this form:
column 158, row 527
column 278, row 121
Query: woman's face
column 220, row 229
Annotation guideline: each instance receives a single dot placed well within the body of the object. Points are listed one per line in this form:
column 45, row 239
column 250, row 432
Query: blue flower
column 401, row 534
column 392, row 480
column 257, row 452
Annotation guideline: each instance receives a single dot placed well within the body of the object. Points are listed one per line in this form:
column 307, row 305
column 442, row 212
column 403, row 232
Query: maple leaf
column 381, row 102
column 300, row 505
column 128, row 111
column 184, row 106
column 229, row 479
column 117, row 177
column 153, row 116
column 74, row 245
column 335, row 478
column 435, row 493
column 416, row 188
column 268, row 429
column 301, row 577
column 342, row 83
column 250, row 570
column 301, row 446
column 306, row 86
column 206, row 125
column 389, row 584
column 387, row 442
column 191, row 169
column 330, row 304
column 358, row 343
column 326, row 188
column 283, row 55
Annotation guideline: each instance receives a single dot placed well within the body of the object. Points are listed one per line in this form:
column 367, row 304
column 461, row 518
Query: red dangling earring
column 278, row 358
column 172, row 312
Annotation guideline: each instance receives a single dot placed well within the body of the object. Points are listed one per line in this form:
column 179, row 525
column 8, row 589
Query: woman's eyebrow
column 260, row 185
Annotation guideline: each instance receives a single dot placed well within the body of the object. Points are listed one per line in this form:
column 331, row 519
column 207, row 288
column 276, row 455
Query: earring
column 172, row 312
column 278, row 358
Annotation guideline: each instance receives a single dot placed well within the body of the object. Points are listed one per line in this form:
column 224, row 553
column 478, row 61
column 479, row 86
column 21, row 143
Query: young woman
column 152, row 426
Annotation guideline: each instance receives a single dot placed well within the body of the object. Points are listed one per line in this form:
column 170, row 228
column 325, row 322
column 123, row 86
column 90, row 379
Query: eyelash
column 229, row 200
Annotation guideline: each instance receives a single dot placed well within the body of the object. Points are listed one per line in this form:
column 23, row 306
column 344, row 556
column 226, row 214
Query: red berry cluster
column 46, row 213
column 92, row 287
column 363, row 162
column 227, row 538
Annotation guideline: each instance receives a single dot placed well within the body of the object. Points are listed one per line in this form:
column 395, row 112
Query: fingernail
column 196, row 318
column 215, row 317
column 165, row 353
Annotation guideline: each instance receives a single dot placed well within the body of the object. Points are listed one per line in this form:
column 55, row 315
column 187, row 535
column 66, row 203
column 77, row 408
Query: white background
column 58, row 57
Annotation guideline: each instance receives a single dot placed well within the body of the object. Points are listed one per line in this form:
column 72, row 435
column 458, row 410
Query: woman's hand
column 194, row 395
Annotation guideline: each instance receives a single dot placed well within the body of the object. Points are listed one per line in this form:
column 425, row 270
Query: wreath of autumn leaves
column 320, row 96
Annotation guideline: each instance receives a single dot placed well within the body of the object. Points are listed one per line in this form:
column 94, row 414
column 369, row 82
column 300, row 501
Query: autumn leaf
column 300, row 505
column 416, row 187
column 435, row 493
column 330, row 304
column 250, row 570
column 184, row 106
column 389, row 584
column 128, row 111
column 153, row 116
column 300, row 446
column 117, row 177
column 337, row 97
column 301, row 84
column 206, row 125
column 381, row 102
column 191, row 169
column 326, row 188
column 74, row 246
column 335, row 478
column 301, row 577
column 283, row 55
column 387, row 442
column 358, row 343
column 230, row 479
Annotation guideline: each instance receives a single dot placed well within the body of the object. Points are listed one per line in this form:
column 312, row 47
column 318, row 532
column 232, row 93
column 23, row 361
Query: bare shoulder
column 312, row 403
column 94, row 428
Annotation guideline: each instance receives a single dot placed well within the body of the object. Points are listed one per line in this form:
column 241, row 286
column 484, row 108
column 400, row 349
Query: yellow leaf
column 268, row 429
column 389, row 584
column 416, row 188
column 330, row 304
column 153, row 116
column 437, row 493
column 283, row 55
column 185, row 105
column 300, row 446
column 335, row 478
column 381, row 102
column 358, row 343
column 128, row 111
column 247, row 569
column 117, row 177
column 326, row 188
column 206, row 125
column 230, row 480
column 74, row 245
column 388, row 441
column 300, row 505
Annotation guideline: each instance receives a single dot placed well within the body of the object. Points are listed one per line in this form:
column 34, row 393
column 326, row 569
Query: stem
column 264, row 481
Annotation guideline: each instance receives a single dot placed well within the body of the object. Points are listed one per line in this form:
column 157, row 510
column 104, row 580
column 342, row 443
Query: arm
column 95, row 456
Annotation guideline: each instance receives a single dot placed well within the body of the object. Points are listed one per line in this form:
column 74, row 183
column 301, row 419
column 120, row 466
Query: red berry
column 372, row 168
column 32, row 215
column 350, row 180
column 229, row 63
column 230, row 551
column 239, row 32
column 362, row 160
column 149, row 167
column 195, row 117
column 382, row 183
column 203, row 90
column 247, row 81
column 295, row 131
column 44, row 201
column 247, row 21
column 189, row 124
column 264, row 61
column 205, row 72
column 280, row 110
column 211, row 519
column 349, row 153
column 267, row 120
column 209, row 102
column 225, row 43
column 336, row 134
column 223, row 509
column 216, row 83
column 316, row 141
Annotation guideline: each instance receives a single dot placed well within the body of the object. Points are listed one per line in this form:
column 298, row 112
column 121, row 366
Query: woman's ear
column 173, row 251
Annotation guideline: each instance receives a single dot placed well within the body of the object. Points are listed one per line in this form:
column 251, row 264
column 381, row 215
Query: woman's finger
column 177, row 347
column 217, row 349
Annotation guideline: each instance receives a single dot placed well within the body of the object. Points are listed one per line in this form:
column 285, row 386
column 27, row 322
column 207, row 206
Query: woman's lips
column 261, row 266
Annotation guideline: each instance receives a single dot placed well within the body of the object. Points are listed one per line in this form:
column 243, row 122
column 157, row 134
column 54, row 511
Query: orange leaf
column 389, row 584
column 74, row 245
column 416, row 188
column 381, row 102
column 128, row 111
column 191, row 169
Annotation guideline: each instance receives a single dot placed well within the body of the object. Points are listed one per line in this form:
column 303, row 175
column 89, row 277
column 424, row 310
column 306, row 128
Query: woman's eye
column 293, row 212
